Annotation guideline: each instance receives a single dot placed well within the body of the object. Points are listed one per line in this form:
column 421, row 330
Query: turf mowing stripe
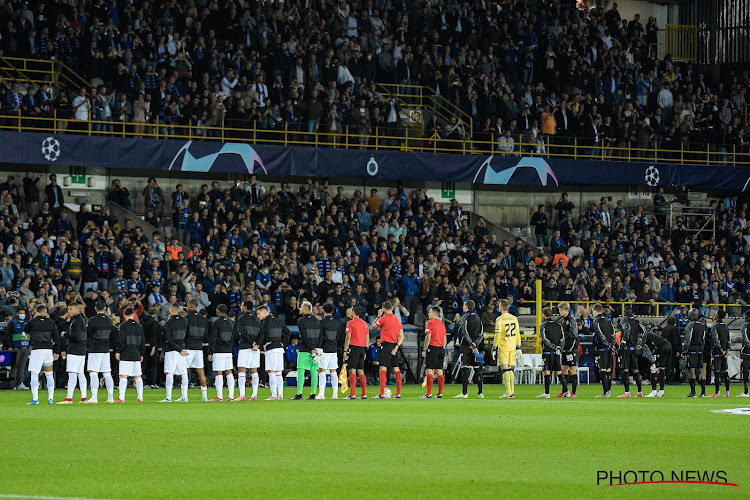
column 39, row 497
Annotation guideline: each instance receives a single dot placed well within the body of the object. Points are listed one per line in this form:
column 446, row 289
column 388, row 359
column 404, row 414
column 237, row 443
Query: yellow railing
column 379, row 140
column 654, row 308
column 41, row 71
column 682, row 42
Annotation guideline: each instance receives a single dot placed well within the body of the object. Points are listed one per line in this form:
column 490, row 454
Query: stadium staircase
column 35, row 72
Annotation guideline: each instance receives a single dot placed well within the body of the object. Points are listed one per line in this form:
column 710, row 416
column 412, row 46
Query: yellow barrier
column 288, row 136
column 41, row 71
column 655, row 308
column 682, row 42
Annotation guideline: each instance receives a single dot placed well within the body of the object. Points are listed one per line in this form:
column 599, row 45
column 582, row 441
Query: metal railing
column 654, row 308
column 682, row 42
column 40, row 71
column 382, row 139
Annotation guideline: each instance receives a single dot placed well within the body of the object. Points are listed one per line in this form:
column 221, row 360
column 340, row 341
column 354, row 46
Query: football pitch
column 406, row 448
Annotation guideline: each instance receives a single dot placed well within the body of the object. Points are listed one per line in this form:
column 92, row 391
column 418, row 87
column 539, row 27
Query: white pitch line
column 40, row 497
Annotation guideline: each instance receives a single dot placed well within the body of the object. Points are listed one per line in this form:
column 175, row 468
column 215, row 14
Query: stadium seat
column 524, row 369
column 581, row 371
column 537, row 365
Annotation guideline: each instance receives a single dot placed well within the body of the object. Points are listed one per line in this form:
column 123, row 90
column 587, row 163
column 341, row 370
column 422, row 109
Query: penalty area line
column 46, row 497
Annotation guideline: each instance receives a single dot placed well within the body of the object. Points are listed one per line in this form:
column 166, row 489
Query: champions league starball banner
column 242, row 158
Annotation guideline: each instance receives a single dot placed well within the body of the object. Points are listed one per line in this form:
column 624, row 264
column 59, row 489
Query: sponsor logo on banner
column 51, row 149
column 372, row 167
column 492, row 176
column 652, row 175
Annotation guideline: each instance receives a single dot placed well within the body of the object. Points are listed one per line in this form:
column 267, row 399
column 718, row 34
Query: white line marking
column 40, row 497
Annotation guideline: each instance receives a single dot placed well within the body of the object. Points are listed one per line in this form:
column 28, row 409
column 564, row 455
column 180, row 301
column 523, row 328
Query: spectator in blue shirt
column 410, row 284
column 291, row 352
column 372, row 365
column 667, row 294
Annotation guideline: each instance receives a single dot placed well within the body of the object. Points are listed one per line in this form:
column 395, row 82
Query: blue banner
column 214, row 156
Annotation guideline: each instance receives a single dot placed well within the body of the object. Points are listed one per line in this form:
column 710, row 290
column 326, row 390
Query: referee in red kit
column 391, row 337
column 355, row 349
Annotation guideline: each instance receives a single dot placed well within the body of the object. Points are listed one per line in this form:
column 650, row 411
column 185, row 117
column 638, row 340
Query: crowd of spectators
column 536, row 72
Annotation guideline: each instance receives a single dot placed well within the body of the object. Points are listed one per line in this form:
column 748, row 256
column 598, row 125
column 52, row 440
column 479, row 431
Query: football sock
column 479, row 373
column 441, row 383
column 334, row 384
column 726, row 381
column 399, row 380
column 703, row 387
column 322, row 384
column 50, row 384
column 465, row 380
column 185, row 385
column 430, row 379
column 35, row 386
column 383, row 380
column 272, row 384
column 507, row 382
column 241, row 380
column 638, row 383
column 626, row 380
column 603, row 380
column 219, row 383
column 109, row 383
column 574, row 382
column 692, row 386
column 564, row 382
column 139, row 388
column 363, row 384
column 94, row 386
column 72, row 379
column 254, row 380
column 230, row 384
column 717, row 383
column 654, row 376
column 123, row 386
column 662, row 379
column 168, row 383
column 204, row 391
column 609, row 381
column 82, row 385
column 547, row 382
column 352, row 384
column 279, row 385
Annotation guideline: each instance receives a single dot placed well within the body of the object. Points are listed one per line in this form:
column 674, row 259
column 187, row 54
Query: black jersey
column 720, row 338
column 248, row 329
column 43, row 334
column 604, row 333
column 98, row 332
column 173, row 333
column 694, row 337
column 197, row 331
column 222, row 336
column 275, row 333
column 76, row 336
column 471, row 331
column 552, row 335
column 570, row 333
column 745, row 333
column 151, row 330
column 309, row 333
column 330, row 329
column 131, row 341
column 653, row 344
column 631, row 331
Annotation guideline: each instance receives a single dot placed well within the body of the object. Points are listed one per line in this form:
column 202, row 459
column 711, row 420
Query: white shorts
column 75, row 363
column 248, row 358
column 329, row 361
column 275, row 360
column 194, row 359
column 99, row 362
column 175, row 363
column 40, row 358
column 130, row 368
column 222, row 361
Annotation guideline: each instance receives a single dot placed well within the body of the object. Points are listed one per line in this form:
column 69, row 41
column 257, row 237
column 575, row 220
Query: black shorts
column 385, row 358
column 604, row 359
column 435, row 358
column 467, row 359
column 356, row 360
column 745, row 361
column 663, row 357
column 720, row 363
column 707, row 357
column 695, row 359
column 569, row 358
column 628, row 360
column 551, row 361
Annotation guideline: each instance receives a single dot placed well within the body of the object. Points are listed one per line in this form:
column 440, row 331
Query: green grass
column 405, row 448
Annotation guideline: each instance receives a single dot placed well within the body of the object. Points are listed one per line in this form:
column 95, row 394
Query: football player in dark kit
column 130, row 349
column 274, row 336
column 745, row 354
column 571, row 342
column 552, row 343
column 197, row 333
column 331, row 331
column 631, row 331
column 98, row 332
column 75, row 353
column 175, row 354
column 220, row 349
column 44, row 339
column 692, row 351
column 720, row 342
column 658, row 351
column 248, row 357
column 604, row 344
column 472, row 343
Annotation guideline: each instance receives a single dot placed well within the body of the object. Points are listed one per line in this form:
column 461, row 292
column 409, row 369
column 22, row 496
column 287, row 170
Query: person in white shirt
column 506, row 143
column 665, row 101
column 229, row 82
column 262, row 92
column 82, row 106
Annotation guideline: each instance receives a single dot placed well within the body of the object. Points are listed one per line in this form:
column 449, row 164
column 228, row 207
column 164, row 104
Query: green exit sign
column 449, row 189
column 78, row 175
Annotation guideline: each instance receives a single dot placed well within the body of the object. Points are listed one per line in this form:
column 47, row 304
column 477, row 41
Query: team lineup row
column 184, row 334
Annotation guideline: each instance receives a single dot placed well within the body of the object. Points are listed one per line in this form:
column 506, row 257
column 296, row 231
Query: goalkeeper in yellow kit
column 507, row 344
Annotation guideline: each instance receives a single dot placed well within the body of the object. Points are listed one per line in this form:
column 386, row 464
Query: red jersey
column 389, row 326
column 359, row 332
column 436, row 329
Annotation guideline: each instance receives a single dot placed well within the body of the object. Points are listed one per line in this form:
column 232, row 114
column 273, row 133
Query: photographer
column 119, row 195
